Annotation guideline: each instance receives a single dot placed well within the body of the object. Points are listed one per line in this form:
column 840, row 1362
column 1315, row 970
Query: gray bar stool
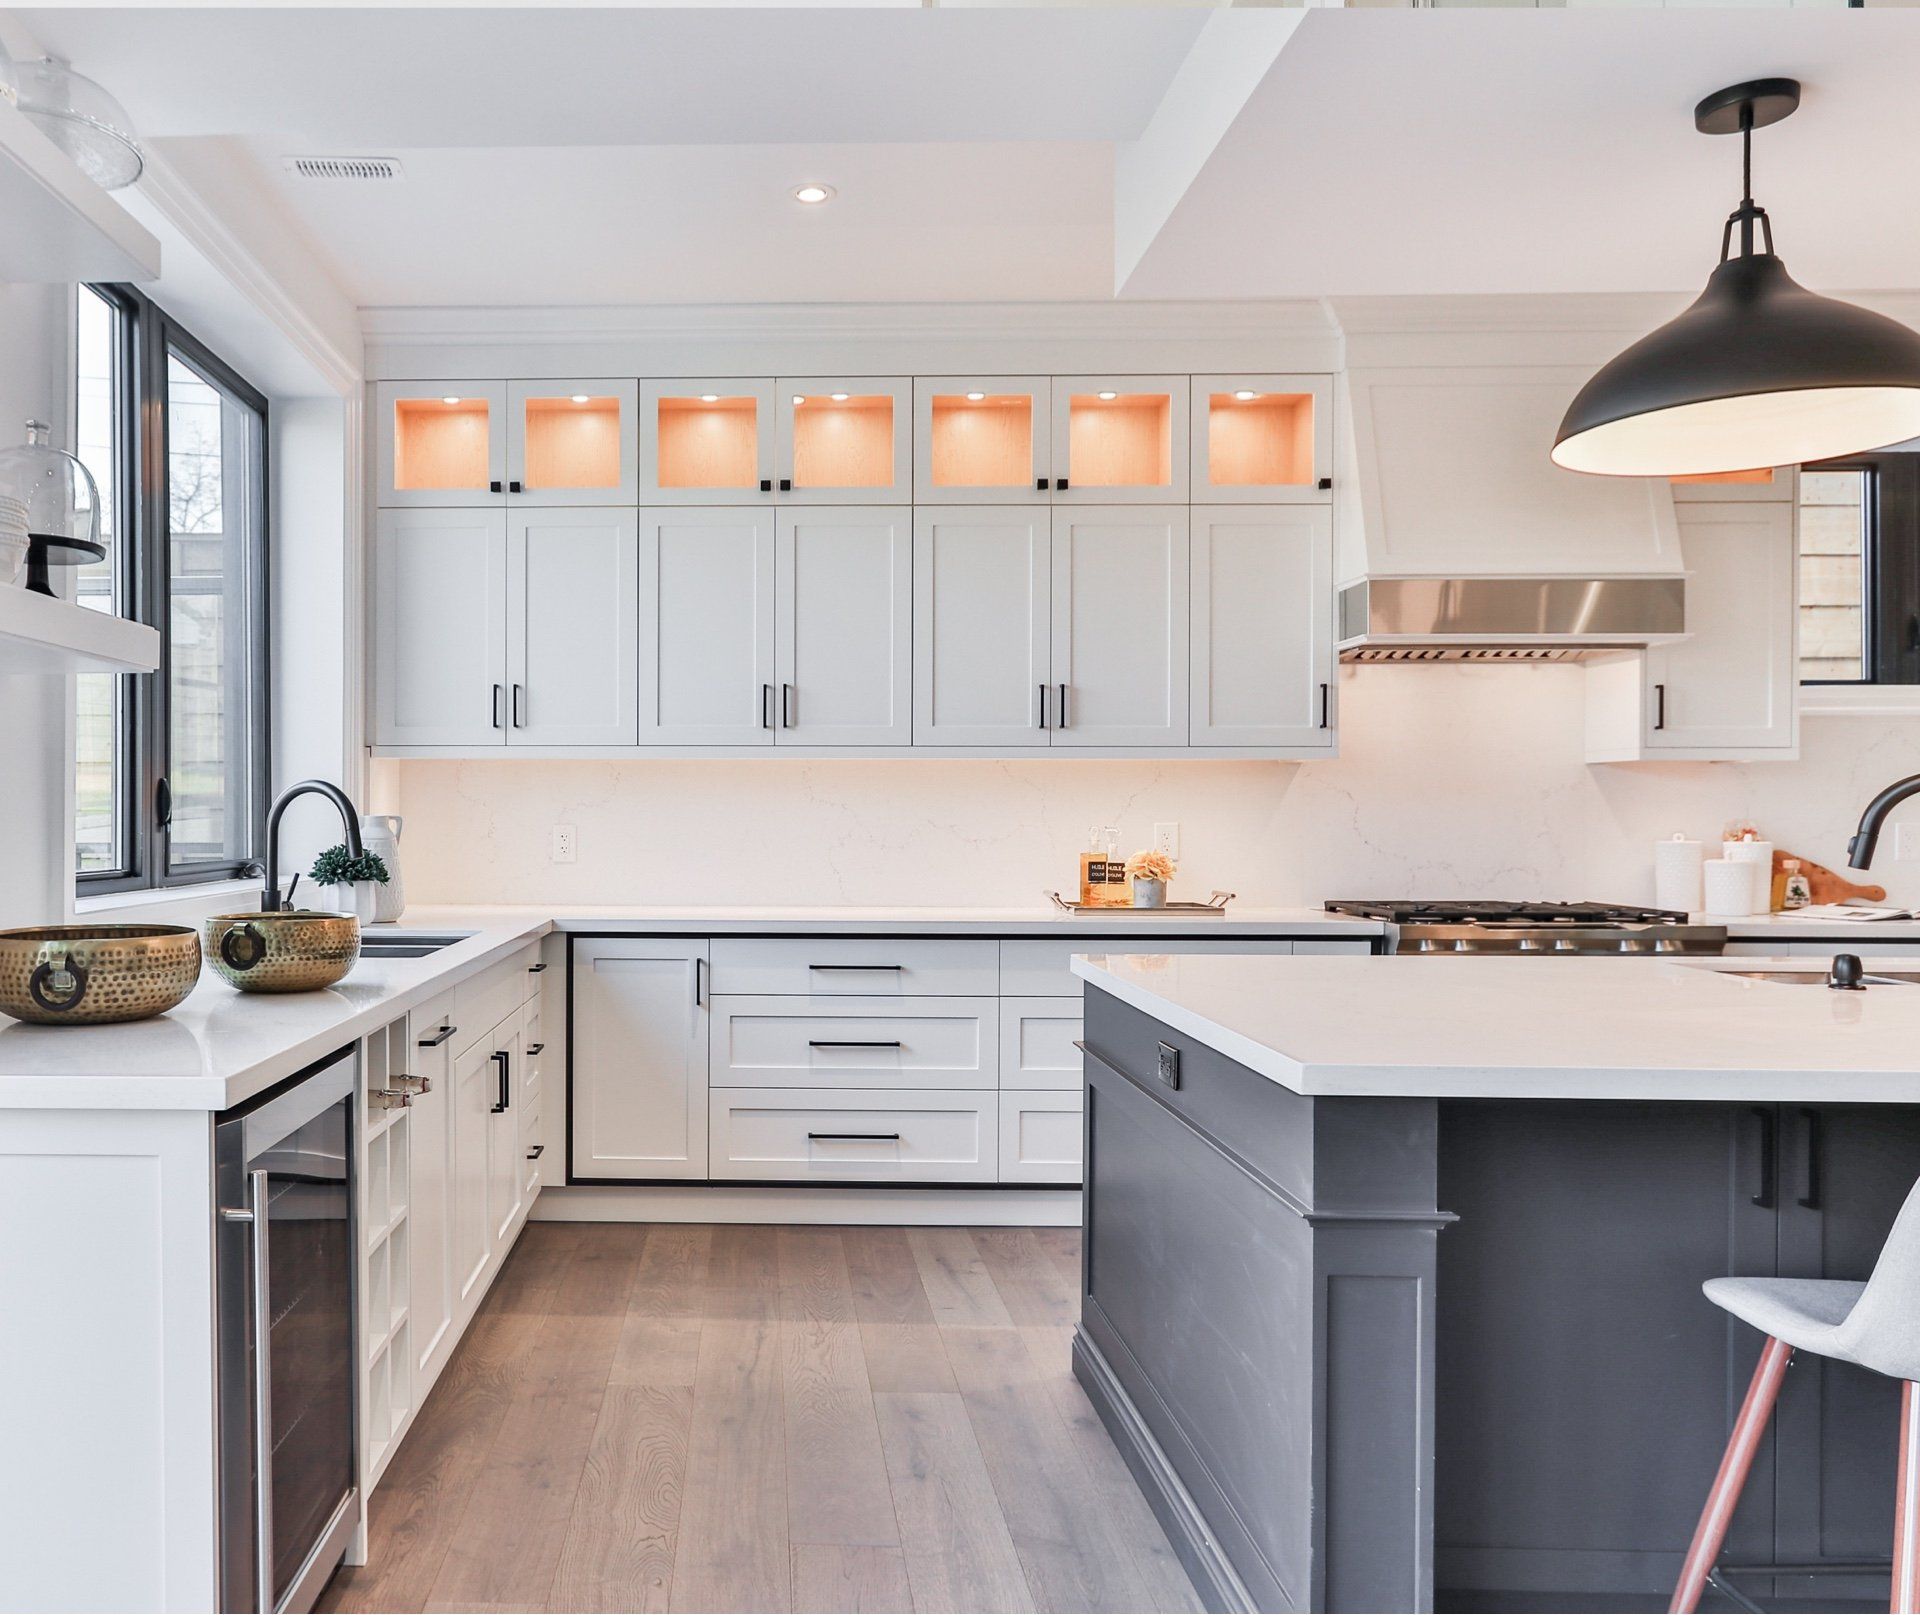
column 1875, row 1324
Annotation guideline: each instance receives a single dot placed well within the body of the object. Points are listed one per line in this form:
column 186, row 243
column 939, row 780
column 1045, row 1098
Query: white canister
column 1727, row 888
column 380, row 833
column 1676, row 875
column 1758, row 856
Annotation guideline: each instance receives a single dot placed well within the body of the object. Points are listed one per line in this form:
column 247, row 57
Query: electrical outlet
column 562, row 844
column 1166, row 838
column 1906, row 843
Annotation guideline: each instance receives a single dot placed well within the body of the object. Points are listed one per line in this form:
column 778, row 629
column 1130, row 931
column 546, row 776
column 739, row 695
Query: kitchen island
column 1393, row 1266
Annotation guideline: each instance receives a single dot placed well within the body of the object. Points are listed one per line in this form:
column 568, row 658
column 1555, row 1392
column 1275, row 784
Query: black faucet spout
column 270, row 899
column 1867, row 837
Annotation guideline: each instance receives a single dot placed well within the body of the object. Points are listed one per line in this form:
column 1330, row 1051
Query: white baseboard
column 1010, row 1208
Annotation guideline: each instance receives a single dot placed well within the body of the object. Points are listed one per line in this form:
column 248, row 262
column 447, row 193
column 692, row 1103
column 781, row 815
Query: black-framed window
column 172, row 767
column 1859, row 529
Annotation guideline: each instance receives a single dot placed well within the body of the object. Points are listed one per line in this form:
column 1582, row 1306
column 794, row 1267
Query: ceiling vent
column 355, row 168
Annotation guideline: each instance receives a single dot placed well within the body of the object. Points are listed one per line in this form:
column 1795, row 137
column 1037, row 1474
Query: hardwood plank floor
column 678, row 1417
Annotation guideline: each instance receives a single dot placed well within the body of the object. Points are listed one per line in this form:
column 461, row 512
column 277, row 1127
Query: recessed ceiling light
column 1109, row 396
column 709, row 398
column 450, row 399
column 1246, row 395
column 799, row 398
column 974, row 398
column 839, row 398
column 813, row 195
column 580, row 398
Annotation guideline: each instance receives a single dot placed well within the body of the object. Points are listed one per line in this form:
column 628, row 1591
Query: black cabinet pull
column 1325, row 696
column 513, row 487
column 535, row 1048
column 438, row 1037
column 857, row 1138
column 1769, row 1155
column 698, row 965
column 1040, row 484
column 1659, row 706
column 500, row 1104
column 493, row 487
column 498, row 690
column 856, row 967
column 1811, row 1199
column 853, row 1043
column 1060, row 712
column 766, row 484
column 536, row 1152
column 534, row 970
column 519, row 715
column 786, row 706
column 1043, row 707
column 786, row 484
column 766, row 706
column 1324, row 484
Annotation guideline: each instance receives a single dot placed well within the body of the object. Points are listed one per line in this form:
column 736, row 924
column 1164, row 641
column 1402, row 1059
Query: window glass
column 1833, row 576
column 103, row 734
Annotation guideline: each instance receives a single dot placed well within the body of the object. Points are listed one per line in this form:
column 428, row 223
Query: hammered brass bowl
column 87, row 975
column 293, row 951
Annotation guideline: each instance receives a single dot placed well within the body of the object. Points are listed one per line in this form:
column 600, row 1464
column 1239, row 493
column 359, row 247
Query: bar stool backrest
column 1883, row 1330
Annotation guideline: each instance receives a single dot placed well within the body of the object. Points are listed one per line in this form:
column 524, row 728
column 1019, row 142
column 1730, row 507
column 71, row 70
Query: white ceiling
column 614, row 155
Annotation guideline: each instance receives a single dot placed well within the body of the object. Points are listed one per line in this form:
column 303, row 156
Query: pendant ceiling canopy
column 1758, row 371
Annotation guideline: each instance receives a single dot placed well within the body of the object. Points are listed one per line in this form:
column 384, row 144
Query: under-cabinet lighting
column 839, row 398
column 1246, row 395
column 449, row 400
column 580, row 398
column 974, row 398
column 813, row 195
column 709, row 398
column 799, row 398
column 1109, row 397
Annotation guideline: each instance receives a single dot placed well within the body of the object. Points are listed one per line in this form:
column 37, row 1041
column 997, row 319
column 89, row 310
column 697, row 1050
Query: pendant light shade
column 1759, row 371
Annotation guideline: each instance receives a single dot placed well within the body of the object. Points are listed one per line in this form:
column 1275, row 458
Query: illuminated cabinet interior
column 981, row 440
column 1120, row 440
column 572, row 441
column 1259, row 440
column 709, row 440
column 442, row 444
column 843, row 440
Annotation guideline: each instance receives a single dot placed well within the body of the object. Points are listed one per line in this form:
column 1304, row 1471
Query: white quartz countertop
column 1785, row 928
column 1515, row 1028
column 1038, row 920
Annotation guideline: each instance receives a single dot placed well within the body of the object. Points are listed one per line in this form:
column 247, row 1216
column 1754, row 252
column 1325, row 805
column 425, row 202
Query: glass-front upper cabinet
column 844, row 440
column 981, row 440
column 1262, row 440
column 441, row 442
column 572, row 442
column 707, row 441
column 1120, row 439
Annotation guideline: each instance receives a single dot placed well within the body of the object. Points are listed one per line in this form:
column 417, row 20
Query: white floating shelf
column 60, row 226
column 39, row 634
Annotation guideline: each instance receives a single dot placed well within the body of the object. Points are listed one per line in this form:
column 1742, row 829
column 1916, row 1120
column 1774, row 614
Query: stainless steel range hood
column 1552, row 619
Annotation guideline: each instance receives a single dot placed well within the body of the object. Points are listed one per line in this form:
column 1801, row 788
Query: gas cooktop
column 1476, row 912
column 1474, row 926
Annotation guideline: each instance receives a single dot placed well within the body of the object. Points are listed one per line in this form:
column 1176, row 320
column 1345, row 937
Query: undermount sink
column 1818, row 977
column 407, row 944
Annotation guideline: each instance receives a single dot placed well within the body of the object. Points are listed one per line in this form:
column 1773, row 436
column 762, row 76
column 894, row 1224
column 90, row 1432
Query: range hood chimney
column 1459, row 540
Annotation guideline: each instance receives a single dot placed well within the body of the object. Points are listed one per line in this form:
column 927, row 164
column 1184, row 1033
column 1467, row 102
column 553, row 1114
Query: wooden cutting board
column 1829, row 887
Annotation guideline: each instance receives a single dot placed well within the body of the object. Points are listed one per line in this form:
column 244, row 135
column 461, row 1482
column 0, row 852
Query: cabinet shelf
column 39, row 634
column 60, row 225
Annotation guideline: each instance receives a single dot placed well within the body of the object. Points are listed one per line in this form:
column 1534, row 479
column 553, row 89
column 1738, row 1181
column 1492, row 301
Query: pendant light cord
column 1748, row 211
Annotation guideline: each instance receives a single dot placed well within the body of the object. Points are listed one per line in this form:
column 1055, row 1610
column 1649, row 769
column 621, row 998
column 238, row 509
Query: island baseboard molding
column 1213, row 1575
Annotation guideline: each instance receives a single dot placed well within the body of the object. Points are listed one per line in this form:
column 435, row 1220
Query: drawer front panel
column 860, row 967
column 878, row 1135
column 1039, row 1137
column 1037, row 1044
column 482, row 1002
column 790, row 1042
column 1036, row 967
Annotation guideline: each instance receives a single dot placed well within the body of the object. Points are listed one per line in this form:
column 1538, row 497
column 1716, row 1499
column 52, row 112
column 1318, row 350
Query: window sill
column 1860, row 700
column 170, row 902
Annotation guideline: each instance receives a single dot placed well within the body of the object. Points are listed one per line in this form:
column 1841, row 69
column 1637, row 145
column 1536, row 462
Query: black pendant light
column 1759, row 371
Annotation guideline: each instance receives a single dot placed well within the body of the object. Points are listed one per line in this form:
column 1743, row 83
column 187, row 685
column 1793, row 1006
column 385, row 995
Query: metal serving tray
column 1216, row 904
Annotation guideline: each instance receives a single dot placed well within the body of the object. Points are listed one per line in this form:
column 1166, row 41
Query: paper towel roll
column 1676, row 874
column 1759, row 854
column 1727, row 888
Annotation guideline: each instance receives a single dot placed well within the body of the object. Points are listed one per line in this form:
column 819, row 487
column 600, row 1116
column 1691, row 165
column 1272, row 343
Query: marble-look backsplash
column 1455, row 781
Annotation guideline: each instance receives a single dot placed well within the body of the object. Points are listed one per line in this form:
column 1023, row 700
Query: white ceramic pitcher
column 380, row 833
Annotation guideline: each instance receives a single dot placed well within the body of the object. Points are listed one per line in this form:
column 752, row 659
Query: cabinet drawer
column 801, row 1134
column 533, row 1047
column 1040, row 1137
column 1036, row 967
column 790, row 1042
column 532, row 1150
column 482, row 1002
column 1037, row 1038
column 891, row 967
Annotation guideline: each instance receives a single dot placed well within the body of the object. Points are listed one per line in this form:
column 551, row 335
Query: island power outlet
column 1169, row 1066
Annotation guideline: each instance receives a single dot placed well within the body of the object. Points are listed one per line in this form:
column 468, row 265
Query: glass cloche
column 82, row 120
column 54, row 494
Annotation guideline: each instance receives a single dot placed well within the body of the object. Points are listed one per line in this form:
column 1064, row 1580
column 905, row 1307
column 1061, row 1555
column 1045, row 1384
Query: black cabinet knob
column 1040, row 483
column 513, row 487
column 766, row 484
column 786, row 484
column 1325, row 483
column 1061, row 484
column 493, row 487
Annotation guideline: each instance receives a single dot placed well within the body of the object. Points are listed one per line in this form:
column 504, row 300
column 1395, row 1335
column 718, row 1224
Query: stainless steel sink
column 1817, row 977
column 407, row 944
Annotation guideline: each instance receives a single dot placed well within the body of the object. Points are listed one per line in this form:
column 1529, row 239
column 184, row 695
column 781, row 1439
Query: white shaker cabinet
column 1120, row 635
column 573, row 442
column 572, row 610
column 706, row 627
column 1262, row 440
column 844, row 440
column 981, row 626
column 1119, row 439
column 1262, row 650
column 1727, row 692
column 476, row 1089
column 843, row 640
column 981, row 440
column 435, row 1305
column 440, row 443
column 440, row 664
column 640, row 1030
column 506, row 1182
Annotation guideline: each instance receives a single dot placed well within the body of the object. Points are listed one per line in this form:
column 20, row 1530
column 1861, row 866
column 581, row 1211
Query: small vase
column 1149, row 893
column 355, row 897
column 380, row 833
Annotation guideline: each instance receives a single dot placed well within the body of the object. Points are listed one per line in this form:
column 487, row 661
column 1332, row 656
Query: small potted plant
column 1150, row 872
column 352, row 879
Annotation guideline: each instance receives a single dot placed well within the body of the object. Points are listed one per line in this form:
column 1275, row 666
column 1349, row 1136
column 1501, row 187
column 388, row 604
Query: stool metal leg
column 1742, row 1444
column 1906, row 1507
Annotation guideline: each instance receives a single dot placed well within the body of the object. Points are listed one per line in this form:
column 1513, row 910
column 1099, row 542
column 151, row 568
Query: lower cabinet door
column 470, row 1236
column 639, row 1058
column 870, row 1135
column 791, row 1042
column 505, row 1184
column 1039, row 1040
column 432, row 1300
column 1040, row 1136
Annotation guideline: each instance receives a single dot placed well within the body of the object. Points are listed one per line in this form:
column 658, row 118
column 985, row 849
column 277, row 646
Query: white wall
column 1452, row 782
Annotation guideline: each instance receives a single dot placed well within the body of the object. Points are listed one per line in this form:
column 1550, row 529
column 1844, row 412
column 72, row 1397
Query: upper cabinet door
column 1262, row 440
column 1120, row 439
column 980, row 628
column 844, row 638
column 706, row 628
column 1263, row 663
column 707, row 441
column 844, row 440
column 1120, row 627
column 981, row 440
column 440, row 628
column 573, row 442
column 441, row 442
column 572, row 610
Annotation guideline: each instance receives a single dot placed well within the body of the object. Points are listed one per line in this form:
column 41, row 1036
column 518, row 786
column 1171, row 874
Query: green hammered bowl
column 293, row 951
column 88, row 975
